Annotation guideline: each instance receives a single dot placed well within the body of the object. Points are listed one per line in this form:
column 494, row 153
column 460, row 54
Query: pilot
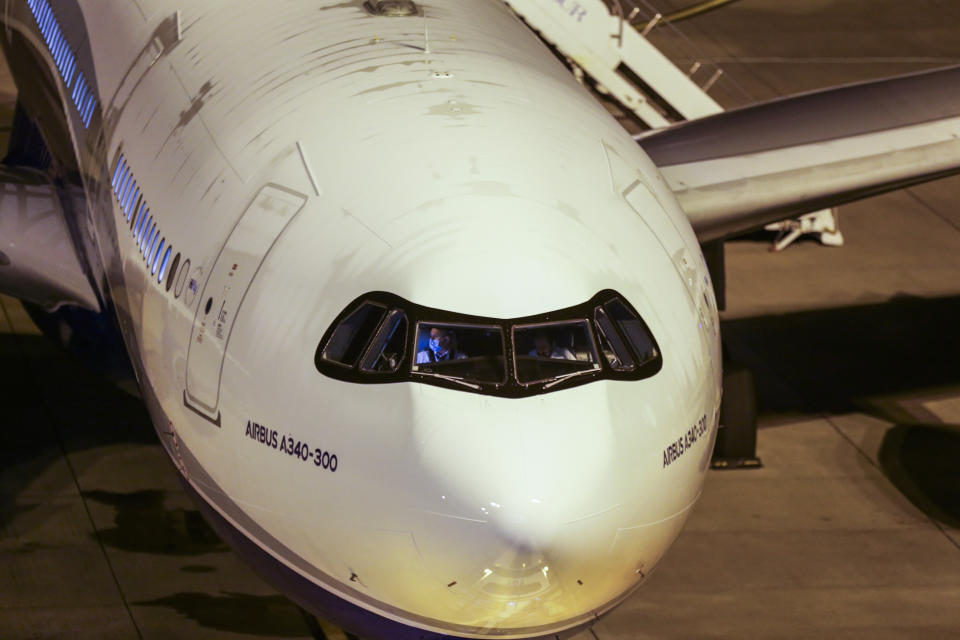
column 442, row 346
column 544, row 347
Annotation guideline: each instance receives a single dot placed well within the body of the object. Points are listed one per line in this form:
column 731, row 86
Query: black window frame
column 417, row 314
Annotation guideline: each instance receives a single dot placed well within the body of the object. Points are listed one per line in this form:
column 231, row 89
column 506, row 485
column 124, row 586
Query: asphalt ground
column 850, row 530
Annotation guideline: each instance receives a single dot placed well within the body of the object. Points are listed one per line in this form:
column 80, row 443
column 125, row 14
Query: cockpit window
column 634, row 329
column 382, row 338
column 553, row 351
column 351, row 335
column 472, row 353
column 613, row 347
column 387, row 349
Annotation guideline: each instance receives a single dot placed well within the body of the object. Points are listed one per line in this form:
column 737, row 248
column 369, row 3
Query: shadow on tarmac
column 267, row 616
column 921, row 461
column 144, row 525
column 827, row 360
column 53, row 405
column 837, row 360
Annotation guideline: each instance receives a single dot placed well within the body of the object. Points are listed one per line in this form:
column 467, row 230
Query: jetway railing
column 621, row 62
column 602, row 39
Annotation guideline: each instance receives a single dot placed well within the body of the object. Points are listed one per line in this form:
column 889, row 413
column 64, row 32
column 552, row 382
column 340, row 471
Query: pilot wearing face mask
column 442, row 346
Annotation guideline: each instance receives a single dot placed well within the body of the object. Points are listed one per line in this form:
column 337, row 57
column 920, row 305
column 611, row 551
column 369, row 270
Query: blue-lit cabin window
column 155, row 263
column 63, row 49
column 128, row 215
column 132, row 202
column 125, row 183
column 131, row 186
column 136, row 223
column 64, row 56
column 147, row 237
column 139, row 228
column 151, row 247
column 78, row 90
column 136, row 218
column 82, row 107
column 148, row 246
column 147, row 234
column 115, row 182
column 71, row 68
column 64, row 59
column 88, row 110
column 116, row 174
column 143, row 228
column 57, row 50
column 121, row 181
column 164, row 264
column 131, row 197
column 81, row 93
column 121, row 187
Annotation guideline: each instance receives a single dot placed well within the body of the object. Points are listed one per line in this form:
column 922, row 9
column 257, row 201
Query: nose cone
column 531, row 500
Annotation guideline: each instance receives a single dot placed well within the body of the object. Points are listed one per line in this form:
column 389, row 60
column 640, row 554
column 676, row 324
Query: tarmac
column 851, row 529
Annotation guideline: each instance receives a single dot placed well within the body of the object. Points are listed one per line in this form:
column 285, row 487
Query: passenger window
column 460, row 352
column 555, row 350
column 614, row 350
column 352, row 334
column 389, row 346
column 634, row 330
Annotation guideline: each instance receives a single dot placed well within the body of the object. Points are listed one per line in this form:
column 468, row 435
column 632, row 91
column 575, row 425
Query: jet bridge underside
column 38, row 261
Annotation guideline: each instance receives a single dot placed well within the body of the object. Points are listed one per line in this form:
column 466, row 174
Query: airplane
column 429, row 338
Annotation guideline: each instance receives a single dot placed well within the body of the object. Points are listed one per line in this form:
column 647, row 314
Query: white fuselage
column 299, row 154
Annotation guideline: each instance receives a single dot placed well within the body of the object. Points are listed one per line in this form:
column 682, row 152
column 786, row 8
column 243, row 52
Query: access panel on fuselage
column 258, row 228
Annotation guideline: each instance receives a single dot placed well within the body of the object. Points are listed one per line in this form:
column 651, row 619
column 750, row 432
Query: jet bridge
column 606, row 45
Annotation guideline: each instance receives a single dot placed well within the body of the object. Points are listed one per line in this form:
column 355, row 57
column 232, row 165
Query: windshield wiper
column 566, row 376
column 456, row 379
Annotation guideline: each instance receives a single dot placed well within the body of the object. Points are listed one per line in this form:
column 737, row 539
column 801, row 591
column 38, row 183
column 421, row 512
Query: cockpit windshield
column 468, row 352
column 544, row 352
column 370, row 342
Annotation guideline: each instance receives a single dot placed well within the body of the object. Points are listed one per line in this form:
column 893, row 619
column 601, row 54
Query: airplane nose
column 524, row 468
column 528, row 505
